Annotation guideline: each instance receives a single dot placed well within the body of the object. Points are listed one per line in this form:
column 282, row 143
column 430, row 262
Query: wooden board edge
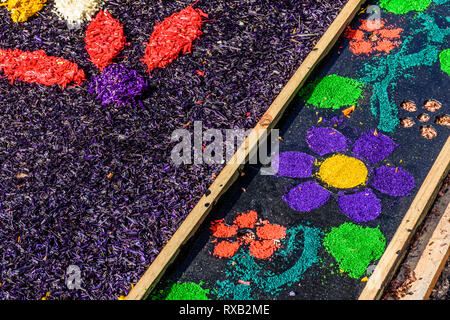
column 231, row 171
column 398, row 246
column 432, row 261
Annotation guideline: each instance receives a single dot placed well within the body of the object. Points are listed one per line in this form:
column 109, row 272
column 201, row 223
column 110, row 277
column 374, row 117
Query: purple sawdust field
column 93, row 186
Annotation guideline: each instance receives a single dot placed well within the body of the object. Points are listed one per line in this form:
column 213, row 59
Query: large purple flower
column 338, row 171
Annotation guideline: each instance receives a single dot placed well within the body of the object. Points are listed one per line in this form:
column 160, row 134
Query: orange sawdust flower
column 263, row 249
column 246, row 220
column 271, row 231
column 262, row 242
column 367, row 40
column 226, row 249
column 221, row 230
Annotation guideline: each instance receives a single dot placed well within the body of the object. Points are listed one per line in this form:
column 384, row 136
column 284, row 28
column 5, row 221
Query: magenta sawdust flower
column 349, row 174
column 118, row 85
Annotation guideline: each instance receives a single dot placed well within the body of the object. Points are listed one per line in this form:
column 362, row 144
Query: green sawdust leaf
column 354, row 247
column 444, row 58
column 182, row 291
column 404, row 6
column 332, row 92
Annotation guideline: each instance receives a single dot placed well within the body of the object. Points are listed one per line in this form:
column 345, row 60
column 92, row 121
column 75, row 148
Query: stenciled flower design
column 368, row 40
column 262, row 237
column 343, row 172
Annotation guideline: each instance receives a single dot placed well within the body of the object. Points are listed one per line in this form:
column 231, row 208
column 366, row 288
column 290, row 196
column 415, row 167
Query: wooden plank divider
column 432, row 261
column 399, row 244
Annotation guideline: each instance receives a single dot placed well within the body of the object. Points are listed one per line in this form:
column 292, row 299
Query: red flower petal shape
column 355, row 35
column 221, row 230
column 385, row 46
column 104, row 39
column 360, row 47
column 226, row 249
column 38, row 67
column 376, row 40
column 246, row 220
column 389, row 33
column 263, row 249
column 271, row 232
column 367, row 25
column 174, row 35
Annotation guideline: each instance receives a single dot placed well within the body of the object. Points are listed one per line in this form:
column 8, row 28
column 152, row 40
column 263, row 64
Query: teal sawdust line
column 245, row 273
column 383, row 72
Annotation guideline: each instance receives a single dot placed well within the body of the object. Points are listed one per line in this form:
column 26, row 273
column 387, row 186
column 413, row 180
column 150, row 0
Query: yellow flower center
column 343, row 172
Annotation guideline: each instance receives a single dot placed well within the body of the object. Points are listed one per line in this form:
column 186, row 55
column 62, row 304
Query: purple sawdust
column 334, row 121
column 118, row 85
column 393, row 181
column 373, row 147
column 326, row 140
column 361, row 207
column 306, row 196
column 294, row 164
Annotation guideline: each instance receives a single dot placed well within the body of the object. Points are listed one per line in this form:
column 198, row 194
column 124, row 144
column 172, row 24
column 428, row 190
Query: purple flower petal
column 294, row 164
column 395, row 182
column 361, row 207
column 326, row 140
column 373, row 147
column 306, row 196
column 118, row 85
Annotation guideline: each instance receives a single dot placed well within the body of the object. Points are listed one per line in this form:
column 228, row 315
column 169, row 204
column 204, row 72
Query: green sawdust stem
column 332, row 91
column 444, row 58
column 404, row 6
column 183, row 291
column 354, row 247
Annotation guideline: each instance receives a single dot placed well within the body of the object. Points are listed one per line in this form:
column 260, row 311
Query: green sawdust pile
column 354, row 247
column 404, row 6
column 444, row 58
column 333, row 92
column 182, row 291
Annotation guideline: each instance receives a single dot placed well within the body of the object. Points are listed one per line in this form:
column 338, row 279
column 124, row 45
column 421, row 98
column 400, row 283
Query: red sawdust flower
column 262, row 245
column 104, row 39
column 174, row 35
column 38, row 67
column 367, row 40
